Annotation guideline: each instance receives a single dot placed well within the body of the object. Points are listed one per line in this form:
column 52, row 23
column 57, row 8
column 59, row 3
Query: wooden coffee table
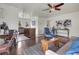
column 45, row 43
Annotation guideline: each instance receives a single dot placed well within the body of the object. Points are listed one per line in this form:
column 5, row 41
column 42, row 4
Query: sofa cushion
column 74, row 48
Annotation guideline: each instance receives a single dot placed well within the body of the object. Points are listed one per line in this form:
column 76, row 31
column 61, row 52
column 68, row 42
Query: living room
column 30, row 19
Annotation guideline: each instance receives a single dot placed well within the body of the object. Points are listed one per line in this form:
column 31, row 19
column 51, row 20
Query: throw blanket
column 74, row 48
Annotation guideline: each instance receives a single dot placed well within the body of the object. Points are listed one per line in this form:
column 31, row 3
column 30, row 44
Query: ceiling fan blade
column 50, row 5
column 57, row 9
column 45, row 9
column 59, row 4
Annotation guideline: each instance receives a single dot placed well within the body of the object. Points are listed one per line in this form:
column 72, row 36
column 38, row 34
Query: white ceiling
column 36, row 8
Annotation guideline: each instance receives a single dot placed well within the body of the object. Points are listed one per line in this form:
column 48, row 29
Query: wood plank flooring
column 34, row 50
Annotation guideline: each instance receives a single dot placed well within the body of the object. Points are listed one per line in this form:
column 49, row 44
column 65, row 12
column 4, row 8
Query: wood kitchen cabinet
column 30, row 32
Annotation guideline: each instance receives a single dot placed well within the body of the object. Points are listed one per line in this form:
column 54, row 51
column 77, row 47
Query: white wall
column 74, row 17
column 9, row 16
column 41, row 24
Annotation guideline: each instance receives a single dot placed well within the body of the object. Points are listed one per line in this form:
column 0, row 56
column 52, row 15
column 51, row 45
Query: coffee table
column 45, row 43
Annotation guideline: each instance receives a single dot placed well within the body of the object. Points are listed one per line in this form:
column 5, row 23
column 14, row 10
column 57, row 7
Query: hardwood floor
column 18, row 50
column 24, row 45
column 13, row 51
column 28, row 47
column 34, row 50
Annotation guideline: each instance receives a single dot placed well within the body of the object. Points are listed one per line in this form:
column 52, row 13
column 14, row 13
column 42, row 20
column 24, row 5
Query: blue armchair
column 47, row 33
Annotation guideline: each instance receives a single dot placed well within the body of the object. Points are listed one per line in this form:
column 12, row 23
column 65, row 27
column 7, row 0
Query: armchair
column 47, row 33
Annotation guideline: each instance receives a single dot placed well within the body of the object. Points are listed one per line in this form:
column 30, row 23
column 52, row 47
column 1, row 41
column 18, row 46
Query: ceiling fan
column 53, row 7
